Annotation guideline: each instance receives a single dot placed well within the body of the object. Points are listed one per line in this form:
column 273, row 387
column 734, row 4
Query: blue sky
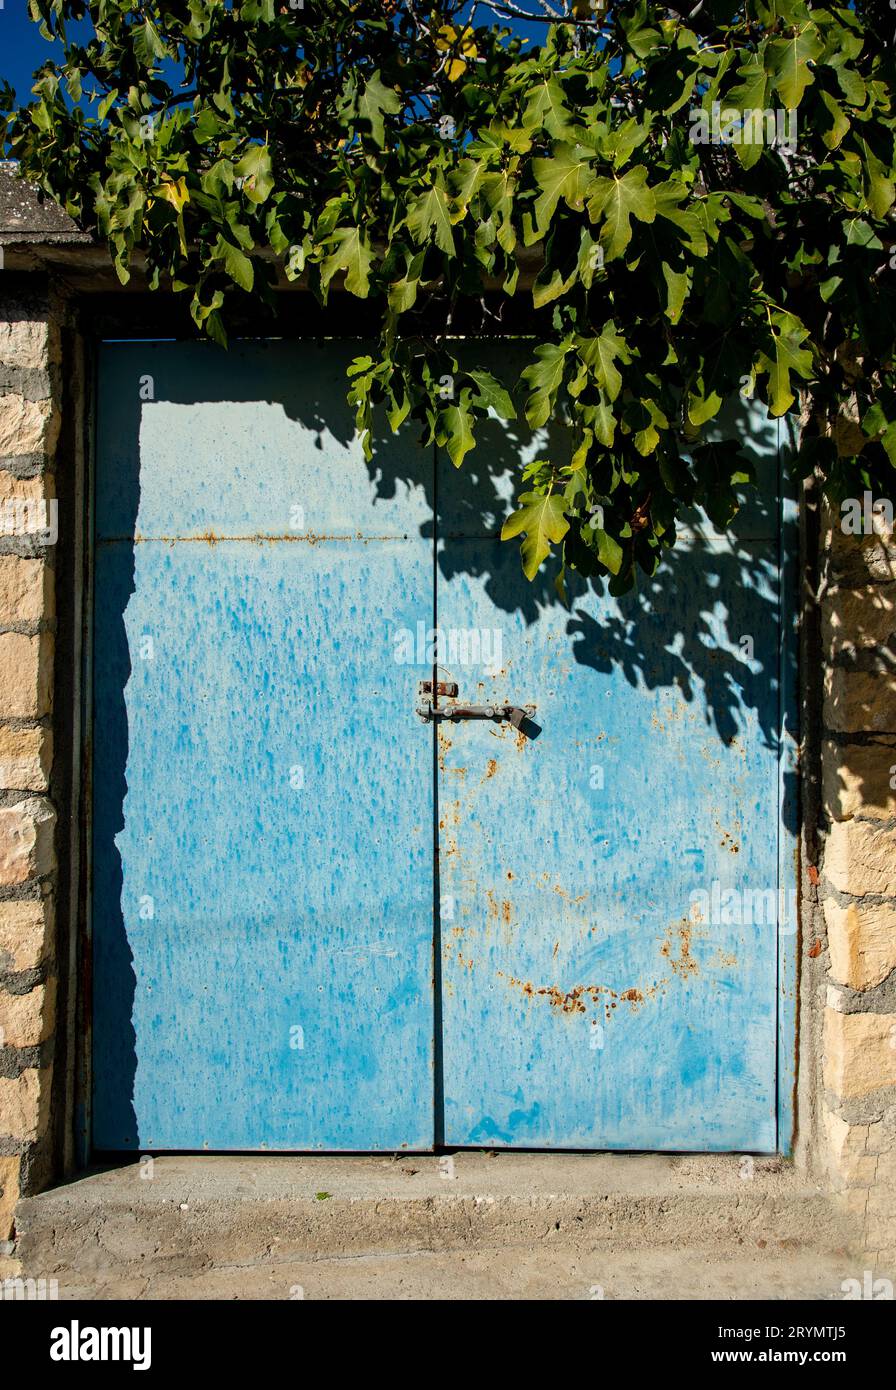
column 21, row 47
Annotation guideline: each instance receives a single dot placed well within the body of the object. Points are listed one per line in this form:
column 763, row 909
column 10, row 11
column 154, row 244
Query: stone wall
column 858, row 876
column 29, row 427
column 847, row 1087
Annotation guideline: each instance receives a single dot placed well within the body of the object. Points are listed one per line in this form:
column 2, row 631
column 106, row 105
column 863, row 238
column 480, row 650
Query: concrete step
column 186, row 1226
column 546, row 1271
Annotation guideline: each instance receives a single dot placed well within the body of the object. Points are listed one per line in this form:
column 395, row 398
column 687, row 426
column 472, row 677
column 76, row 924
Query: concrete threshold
column 469, row 1225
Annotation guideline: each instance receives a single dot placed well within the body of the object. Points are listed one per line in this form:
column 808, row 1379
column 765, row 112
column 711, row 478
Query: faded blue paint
column 582, row 1006
column 577, row 1005
column 275, row 907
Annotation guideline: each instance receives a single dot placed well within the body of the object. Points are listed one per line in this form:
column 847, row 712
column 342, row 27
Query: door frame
column 789, row 792
column 114, row 323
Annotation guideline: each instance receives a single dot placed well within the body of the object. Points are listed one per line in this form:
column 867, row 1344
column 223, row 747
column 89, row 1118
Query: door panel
column 262, row 955
column 592, row 996
column 266, row 802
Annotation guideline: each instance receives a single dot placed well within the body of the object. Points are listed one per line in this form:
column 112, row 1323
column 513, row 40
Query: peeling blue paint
column 266, row 801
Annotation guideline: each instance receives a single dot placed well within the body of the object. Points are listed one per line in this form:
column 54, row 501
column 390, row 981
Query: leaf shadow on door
column 679, row 631
column 679, row 628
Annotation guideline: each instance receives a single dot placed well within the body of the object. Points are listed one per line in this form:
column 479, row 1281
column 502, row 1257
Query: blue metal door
column 609, row 873
column 263, row 798
column 321, row 923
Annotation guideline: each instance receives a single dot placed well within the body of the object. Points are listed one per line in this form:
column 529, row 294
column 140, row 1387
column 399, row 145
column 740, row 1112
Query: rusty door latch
column 514, row 713
column 442, row 688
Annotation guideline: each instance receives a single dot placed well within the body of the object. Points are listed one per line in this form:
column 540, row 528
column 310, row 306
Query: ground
column 472, row 1226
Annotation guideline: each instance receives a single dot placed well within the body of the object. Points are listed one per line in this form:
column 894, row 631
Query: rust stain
column 685, row 964
column 815, row 950
column 563, row 894
column 728, row 840
column 723, row 959
column 505, row 911
column 451, row 820
column 491, row 768
column 521, row 739
column 573, row 1001
column 602, row 997
column 444, row 744
column 259, row 538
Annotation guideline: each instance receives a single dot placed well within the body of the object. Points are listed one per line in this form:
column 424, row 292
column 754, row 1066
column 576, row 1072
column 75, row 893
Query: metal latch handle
column 514, row 713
